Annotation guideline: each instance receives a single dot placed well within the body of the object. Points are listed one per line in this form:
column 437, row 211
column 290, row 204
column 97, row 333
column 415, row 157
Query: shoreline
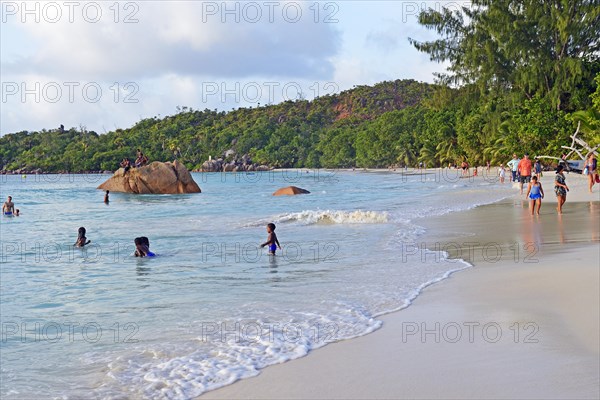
column 535, row 295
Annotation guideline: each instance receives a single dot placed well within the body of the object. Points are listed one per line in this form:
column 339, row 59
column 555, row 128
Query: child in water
column 81, row 239
column 535, row 193
column 106, row 200
column 142, row 247
column 271, row 239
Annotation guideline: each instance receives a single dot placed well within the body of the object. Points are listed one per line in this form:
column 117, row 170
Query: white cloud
column 178, row 52
column 177, row 38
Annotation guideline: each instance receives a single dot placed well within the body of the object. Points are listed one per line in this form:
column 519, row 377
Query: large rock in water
column 156, row 178
column 290, row 190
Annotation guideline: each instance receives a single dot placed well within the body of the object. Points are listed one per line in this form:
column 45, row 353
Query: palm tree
column 406, row 155
column 498, row 151
column 446, row 151
column 590, row 124
column 427, row 155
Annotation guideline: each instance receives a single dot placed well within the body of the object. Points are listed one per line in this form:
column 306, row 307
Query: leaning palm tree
column 446, row 151
column 498, row 151
column 406, row 155
column 589, row 124
column 427, row 155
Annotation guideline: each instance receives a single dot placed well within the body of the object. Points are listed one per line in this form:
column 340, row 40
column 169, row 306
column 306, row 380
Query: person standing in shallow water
column 106, row 200
column 524, row 168
column 513, row 165
column 81, row 239
column 537, row 168
column 271, row 239
column 560, row 188
column 591, row 165
column 8, row 208
column 535, row 193
column 501, row 173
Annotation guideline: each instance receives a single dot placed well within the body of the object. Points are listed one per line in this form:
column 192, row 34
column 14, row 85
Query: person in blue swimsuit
column 142, row 247
column 535, row 194
column 271, row 239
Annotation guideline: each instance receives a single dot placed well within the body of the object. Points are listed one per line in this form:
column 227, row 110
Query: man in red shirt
column 525, row 166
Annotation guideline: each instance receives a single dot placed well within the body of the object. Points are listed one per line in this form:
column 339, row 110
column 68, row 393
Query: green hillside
column 290, row 134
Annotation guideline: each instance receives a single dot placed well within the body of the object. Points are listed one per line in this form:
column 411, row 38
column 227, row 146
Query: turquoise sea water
column 213, row 307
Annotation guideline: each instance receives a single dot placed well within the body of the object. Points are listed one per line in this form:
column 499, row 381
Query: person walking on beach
column 560, row 188
column 271, row 239
column 513, row 165
column 591, row 165
column 8, row 208
column 535, row 194
column 537, row 168
column 501, row 173
column 524, row 167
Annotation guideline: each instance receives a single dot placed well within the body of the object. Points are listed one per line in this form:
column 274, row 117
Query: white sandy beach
column 519, row 324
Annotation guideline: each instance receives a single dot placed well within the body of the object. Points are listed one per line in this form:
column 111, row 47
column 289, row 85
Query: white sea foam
column 311, row 217
column 236, row 350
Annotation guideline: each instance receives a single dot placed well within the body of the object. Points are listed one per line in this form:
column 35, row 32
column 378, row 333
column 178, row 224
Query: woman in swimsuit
column 535, row 193
column 560, row 188
column 591, row 165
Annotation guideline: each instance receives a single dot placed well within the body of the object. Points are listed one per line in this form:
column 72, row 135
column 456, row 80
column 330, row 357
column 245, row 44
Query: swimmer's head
column 270, row 227
column 81, row 232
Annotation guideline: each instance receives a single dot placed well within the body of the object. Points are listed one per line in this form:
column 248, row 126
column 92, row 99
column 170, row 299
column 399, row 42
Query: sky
column 104, row 65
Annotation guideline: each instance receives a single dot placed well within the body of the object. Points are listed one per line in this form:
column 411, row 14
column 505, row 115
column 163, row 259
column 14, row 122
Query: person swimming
column 142, row 247
column 81, row 239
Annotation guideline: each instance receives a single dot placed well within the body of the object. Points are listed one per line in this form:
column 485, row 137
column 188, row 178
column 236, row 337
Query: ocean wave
column 311, row 217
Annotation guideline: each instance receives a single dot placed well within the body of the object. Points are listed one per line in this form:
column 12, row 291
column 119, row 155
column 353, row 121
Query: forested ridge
column 522, row 76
